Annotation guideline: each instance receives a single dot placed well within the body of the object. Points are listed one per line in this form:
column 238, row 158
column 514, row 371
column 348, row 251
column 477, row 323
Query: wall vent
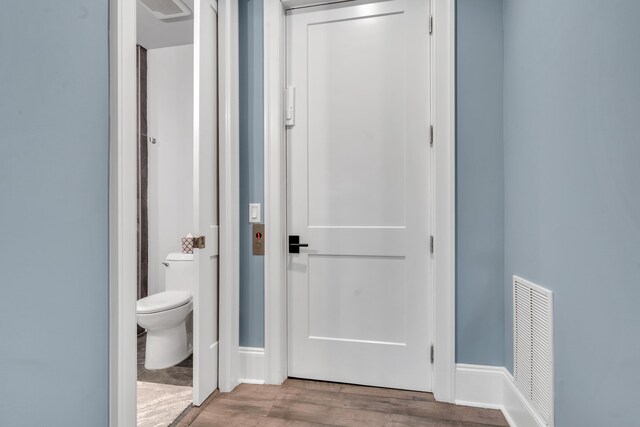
column 533, row 345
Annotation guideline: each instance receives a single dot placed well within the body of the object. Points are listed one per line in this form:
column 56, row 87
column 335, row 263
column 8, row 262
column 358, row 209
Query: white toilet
column 164, row 315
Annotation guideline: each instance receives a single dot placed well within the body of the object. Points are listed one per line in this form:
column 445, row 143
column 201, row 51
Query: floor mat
column 160, row 404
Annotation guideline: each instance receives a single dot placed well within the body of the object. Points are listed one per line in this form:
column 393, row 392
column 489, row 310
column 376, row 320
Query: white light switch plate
column 254, row 212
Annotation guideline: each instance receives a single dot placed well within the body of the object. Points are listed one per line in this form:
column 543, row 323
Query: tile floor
column 159, row 405
column 181, row 374
column 164, row 395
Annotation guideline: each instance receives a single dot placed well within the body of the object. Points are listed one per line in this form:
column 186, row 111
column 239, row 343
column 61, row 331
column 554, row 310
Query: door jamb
column 443, row 110
column 122, row 206
column 443, row 177
column 275, row 199
column 229, row 199
column 122, row 213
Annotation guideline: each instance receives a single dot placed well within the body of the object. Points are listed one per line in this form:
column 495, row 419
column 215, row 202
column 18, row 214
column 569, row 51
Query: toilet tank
column 180, row 274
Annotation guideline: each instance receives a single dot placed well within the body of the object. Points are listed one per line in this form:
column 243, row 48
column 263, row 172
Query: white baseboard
column 252, row 365
column 493, row 387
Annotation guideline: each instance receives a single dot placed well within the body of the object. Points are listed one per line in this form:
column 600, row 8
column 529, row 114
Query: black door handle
column 295, row 245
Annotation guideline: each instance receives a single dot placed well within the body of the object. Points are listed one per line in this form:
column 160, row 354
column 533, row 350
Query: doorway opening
column 177, row 209
column 164, row 212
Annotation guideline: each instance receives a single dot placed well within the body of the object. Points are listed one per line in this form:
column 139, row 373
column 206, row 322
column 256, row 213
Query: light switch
column 254, row 212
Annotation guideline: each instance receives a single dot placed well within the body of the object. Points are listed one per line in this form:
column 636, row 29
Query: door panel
column 356, row 298
column 342, row 194
column 205, row 302
column 358, row 185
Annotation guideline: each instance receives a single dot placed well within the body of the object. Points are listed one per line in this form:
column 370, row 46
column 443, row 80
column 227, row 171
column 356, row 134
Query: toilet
column 164, row 315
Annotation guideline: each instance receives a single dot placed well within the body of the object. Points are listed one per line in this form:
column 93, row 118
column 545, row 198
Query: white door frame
column 122, row 213
column 443, row 192
column 229, row 194
column 122, row 205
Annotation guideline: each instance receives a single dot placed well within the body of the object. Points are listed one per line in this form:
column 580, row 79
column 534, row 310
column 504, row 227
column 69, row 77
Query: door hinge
column 431, row 135
column 430, row 25
column 432, row 354
column 431, row 244
column 199, row 242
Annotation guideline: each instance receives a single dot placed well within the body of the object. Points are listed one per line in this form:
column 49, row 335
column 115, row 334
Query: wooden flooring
column 303, row 403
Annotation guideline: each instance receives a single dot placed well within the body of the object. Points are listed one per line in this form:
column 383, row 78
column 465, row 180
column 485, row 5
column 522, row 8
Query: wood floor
column 303, row 403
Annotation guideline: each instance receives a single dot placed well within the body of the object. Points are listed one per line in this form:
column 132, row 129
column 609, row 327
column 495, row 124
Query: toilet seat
column 162, row 301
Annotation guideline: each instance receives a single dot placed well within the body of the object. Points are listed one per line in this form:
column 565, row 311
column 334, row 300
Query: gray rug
column 160, row 404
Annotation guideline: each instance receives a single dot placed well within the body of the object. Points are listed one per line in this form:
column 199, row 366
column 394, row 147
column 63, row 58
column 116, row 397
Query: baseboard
column 252, row 365
column 480, row 386
column 493, row 387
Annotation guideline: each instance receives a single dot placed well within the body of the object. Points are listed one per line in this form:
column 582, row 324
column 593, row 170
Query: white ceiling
column 154, row 33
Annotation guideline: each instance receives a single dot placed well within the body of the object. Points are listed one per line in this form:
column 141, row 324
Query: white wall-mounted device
column 254, row 212
column 290, row 108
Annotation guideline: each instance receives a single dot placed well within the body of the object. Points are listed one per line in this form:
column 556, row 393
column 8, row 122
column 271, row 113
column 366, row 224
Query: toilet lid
column 163, row 301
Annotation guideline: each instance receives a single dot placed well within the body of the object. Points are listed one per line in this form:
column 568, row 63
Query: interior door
column 359, row 296
column 205, row 172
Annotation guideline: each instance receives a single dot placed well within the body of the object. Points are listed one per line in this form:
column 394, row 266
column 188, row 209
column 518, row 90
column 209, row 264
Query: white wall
column 170, row 121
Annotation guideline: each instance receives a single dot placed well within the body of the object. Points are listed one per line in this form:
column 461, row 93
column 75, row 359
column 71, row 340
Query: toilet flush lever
column 166, row 264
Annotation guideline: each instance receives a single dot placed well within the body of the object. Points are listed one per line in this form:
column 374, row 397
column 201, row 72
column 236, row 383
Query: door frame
column 442, row 192
column 122, row 206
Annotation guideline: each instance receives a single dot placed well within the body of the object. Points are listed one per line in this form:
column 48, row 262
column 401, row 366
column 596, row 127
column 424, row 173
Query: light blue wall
column 54, row 213
column 480, row 184
column 572, row 193
column 251, row 170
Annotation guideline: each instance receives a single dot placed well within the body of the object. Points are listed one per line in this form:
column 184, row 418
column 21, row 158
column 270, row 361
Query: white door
column 205, row 173
column 359, row 296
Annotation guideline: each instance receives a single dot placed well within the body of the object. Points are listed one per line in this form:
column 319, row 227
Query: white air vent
column 533, row 345
column 166, row 9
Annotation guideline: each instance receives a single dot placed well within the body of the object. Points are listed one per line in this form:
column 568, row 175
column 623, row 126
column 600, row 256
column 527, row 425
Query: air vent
column 166, row 9
column 533, row 345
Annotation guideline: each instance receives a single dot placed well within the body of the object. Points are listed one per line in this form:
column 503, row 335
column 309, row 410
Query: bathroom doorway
column 176, row 311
